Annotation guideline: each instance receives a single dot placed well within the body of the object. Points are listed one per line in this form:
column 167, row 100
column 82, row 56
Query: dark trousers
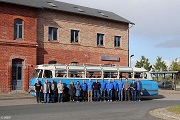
column 72, row 97
column 38, row 96
column 96, row 95
column 115, row 94
column 84, row 95
column 53, row 93
column 138, row 94
column 133, row 93
column 127, row 97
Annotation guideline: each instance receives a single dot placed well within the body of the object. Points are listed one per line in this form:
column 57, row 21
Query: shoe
column 108, row 100
column 111, row 100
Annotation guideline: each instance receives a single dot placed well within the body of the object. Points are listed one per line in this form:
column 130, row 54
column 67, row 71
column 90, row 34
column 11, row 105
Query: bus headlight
column 31, row 89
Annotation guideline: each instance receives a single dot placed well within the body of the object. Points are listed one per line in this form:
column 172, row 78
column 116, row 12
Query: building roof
column 66, row 7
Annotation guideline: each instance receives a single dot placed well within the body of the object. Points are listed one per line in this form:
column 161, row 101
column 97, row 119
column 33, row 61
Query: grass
column 174, row 109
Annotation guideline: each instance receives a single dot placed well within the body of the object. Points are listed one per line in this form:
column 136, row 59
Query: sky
column 156, row 31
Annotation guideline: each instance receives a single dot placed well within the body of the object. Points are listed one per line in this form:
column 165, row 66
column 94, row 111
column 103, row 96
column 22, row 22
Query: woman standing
column 72, row 91
column 78, row 90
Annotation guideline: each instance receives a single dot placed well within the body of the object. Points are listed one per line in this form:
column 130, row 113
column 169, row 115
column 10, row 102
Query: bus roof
column 105, row 68
column 165, row 72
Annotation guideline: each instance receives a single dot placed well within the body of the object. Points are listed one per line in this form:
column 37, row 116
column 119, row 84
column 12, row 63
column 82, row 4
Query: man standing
column 60, row 87
column 53, row 90
column 139, row 89
column 114, row 89
column 120, row 89
column 109, row 87
column 133, row 90
column 84, row 90
column 126, row 88
column 90, row 83
column 78, row 90
column 96, row 87
column 103, row 89
column 46, row 91
column 38, row 89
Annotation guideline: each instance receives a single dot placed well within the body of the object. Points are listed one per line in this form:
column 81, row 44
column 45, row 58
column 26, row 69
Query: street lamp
column 130, row 59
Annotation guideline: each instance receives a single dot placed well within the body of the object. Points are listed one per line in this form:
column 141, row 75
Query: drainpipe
column 128, row 40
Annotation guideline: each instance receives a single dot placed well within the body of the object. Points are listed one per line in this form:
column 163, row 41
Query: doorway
column 17, row 74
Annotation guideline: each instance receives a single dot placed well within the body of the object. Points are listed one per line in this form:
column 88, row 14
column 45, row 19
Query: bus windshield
column 35, row 73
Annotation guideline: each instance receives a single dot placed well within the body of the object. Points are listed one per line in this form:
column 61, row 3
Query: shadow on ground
column 145, row 98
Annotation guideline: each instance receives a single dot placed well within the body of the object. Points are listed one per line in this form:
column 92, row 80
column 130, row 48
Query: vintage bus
column 74, row 73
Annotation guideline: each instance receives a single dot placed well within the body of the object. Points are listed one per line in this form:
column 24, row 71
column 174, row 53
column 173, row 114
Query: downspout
column 128, row 40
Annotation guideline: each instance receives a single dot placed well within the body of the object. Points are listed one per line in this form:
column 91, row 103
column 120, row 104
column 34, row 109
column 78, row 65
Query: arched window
column 18, row 28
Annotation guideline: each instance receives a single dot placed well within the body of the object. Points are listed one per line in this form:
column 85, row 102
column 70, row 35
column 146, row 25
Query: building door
column 17, row 73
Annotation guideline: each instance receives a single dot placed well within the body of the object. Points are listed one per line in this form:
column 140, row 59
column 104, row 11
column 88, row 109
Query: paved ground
column 20, row 109
column 85, row 111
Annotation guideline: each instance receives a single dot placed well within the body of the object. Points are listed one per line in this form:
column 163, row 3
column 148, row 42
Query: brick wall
column 23, row 49
column 62, row 51
column 86, row 51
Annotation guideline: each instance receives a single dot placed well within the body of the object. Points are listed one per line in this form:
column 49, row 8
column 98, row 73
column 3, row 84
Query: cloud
column 174, row 43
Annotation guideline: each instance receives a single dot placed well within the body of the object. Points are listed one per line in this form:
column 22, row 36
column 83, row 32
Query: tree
column 175, row 65
column 144, row 62
column 160, row 65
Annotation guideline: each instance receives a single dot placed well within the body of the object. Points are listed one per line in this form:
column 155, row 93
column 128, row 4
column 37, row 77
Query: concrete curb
column 16, row 96
column 163, row 113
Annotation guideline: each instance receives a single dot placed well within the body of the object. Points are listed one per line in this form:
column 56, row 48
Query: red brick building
column 41, row 32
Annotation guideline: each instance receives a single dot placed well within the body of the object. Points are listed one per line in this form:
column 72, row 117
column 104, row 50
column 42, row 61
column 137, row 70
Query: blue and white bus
column 74, row 73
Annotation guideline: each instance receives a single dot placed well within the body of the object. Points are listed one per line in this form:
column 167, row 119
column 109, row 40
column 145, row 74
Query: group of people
column 49, row 90
column 91, row 91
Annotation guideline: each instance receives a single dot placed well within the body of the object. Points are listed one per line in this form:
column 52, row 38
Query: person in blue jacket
column 90, row 89
column 139, row 89
column 115, row 90
column 78, row 90
column 109, row 88
column 120, row 89
column 84, row 90
column 103, row 89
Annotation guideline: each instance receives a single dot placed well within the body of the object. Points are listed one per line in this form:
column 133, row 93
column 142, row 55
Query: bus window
column 125, row 75
column 138, row 75
column 76, row 74
column 35, row 73
column 130, row 75
column 47, row 74
column 145, row 76
column 93, row 74
column 110, row 75
column 40, row 74
column 61, row 73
